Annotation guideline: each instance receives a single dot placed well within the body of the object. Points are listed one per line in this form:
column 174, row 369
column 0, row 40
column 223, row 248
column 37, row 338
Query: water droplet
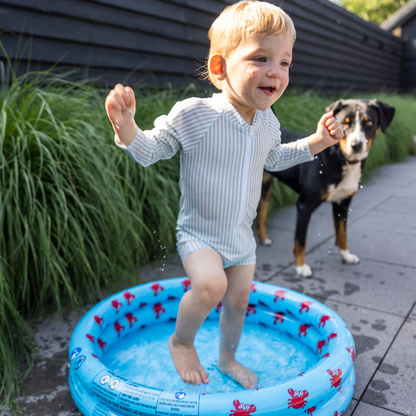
column 117, row 126
column 361, row 186
column 329, row 251
column 320, row 172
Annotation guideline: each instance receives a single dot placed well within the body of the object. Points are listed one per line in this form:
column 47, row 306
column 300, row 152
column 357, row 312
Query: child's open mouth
column 268, row 90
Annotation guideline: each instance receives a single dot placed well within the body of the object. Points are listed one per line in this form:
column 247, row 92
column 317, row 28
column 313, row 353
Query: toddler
column 225, row 142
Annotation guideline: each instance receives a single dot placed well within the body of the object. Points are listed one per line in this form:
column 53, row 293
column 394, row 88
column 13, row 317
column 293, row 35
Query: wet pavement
column 376, row 298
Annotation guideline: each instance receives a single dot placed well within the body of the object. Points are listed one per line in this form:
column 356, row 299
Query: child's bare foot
column 239, row 373
column 187, row 363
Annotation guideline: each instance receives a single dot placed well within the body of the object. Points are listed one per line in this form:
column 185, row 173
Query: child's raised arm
column 120, row 105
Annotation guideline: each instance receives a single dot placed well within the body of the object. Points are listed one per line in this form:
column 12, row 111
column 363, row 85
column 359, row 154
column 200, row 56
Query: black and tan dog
column 333, row 176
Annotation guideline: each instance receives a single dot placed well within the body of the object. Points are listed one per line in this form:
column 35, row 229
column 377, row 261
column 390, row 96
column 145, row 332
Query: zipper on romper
column 245, row 179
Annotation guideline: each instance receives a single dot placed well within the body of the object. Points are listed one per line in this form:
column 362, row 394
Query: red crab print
column 305, row 305
column 323, row 320
column 142, row 304
column 171, row 297
column 98, row 320
column 157, row 288
column 303, row 330
column 242, row 409
column 118, row 328
column 251, row 310
column 338, row 414
column 116, row 305
column 310, row 411
column 158, row 309
column 321, row 344
column 101, row 343
column 280, row 295
column 298, row 398
column 96, row 356
column 352, row 352
column 218, row 308
column 187, row 284
column 326, row 355
column 91, row 338
column 331, row 336
column 131, row 319
column 278, row 317
column 129, row 297
column 253, row 288
column 301, row 374
column 261, row 303
column 336, row 377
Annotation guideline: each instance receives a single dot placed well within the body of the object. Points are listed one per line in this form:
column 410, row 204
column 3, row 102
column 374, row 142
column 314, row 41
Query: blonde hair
column 240, row 19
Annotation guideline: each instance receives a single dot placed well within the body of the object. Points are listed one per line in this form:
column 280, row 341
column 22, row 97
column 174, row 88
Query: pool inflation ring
column 326, row 389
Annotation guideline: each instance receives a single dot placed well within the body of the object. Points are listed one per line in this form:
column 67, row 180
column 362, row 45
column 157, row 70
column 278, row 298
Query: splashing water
column 143, row 356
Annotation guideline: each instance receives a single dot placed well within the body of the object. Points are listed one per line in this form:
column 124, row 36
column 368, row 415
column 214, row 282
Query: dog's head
column 362, row 119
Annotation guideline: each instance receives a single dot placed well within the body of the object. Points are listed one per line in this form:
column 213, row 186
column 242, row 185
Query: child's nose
column 275, row 71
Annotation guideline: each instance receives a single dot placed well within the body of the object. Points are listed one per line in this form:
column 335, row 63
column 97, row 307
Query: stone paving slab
column 365, row 409
column 373, row 332
column 396, row 222
column 393, row 385
column 400, row 204
column 382, row 245
column 368, row 284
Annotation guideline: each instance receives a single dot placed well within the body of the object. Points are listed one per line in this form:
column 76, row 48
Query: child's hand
column 120, row 105
column 328, row 132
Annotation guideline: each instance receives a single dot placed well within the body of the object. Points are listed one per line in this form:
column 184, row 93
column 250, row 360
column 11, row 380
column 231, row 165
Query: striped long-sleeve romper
column 221, row 167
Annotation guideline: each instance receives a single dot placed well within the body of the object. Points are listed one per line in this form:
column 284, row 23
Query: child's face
column 257, row 72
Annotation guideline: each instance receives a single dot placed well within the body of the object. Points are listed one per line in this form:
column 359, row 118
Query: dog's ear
column 385, row 111
column 335, row 107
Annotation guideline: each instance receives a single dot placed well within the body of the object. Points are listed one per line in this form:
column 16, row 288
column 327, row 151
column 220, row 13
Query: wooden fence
column 160, row 41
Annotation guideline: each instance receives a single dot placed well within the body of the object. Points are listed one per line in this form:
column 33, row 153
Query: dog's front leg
column 304, row 212
column 340, row 213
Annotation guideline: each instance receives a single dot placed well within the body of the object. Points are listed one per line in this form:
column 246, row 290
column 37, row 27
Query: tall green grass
column 78, row 215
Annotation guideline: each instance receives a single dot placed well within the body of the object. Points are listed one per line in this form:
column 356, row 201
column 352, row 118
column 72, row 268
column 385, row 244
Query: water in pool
column 144, row 357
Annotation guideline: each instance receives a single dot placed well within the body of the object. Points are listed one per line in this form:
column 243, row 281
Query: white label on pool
column 185, row 404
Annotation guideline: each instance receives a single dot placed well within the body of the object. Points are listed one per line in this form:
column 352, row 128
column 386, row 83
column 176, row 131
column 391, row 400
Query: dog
column 333, row 176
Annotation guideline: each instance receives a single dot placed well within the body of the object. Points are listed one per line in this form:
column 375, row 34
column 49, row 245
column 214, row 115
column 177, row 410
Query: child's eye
column 287, row 64
column 261, row 59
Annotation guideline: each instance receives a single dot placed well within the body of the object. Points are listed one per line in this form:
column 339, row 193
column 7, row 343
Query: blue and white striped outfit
column 221, row 167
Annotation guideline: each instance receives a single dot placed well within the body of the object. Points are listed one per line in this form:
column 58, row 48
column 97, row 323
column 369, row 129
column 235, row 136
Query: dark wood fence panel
column 409, row 64
column 161, row 41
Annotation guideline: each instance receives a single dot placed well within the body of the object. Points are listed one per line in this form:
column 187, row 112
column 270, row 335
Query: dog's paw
column 304, row 270
column 267, row 242
column 349, row 258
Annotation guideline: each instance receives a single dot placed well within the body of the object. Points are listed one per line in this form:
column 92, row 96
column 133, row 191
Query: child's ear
column 217, row 66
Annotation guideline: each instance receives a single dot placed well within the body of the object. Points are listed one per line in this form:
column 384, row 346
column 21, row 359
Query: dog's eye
column 347, row 121
column 369, row 123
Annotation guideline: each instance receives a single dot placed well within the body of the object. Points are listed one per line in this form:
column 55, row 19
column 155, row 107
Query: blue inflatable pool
column 324, row 390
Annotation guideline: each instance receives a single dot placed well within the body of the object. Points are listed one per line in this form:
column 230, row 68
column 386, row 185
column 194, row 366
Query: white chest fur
column 348, row 185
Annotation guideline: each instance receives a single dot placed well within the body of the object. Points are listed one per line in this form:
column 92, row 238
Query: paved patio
column 376, row 298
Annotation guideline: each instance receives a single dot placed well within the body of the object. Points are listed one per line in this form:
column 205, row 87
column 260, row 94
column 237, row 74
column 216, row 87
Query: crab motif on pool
column 242, row 409
column 298, row 398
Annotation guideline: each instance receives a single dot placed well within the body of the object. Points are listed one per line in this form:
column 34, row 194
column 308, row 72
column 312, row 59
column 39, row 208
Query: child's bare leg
column 208, row 285
column 235, row 304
